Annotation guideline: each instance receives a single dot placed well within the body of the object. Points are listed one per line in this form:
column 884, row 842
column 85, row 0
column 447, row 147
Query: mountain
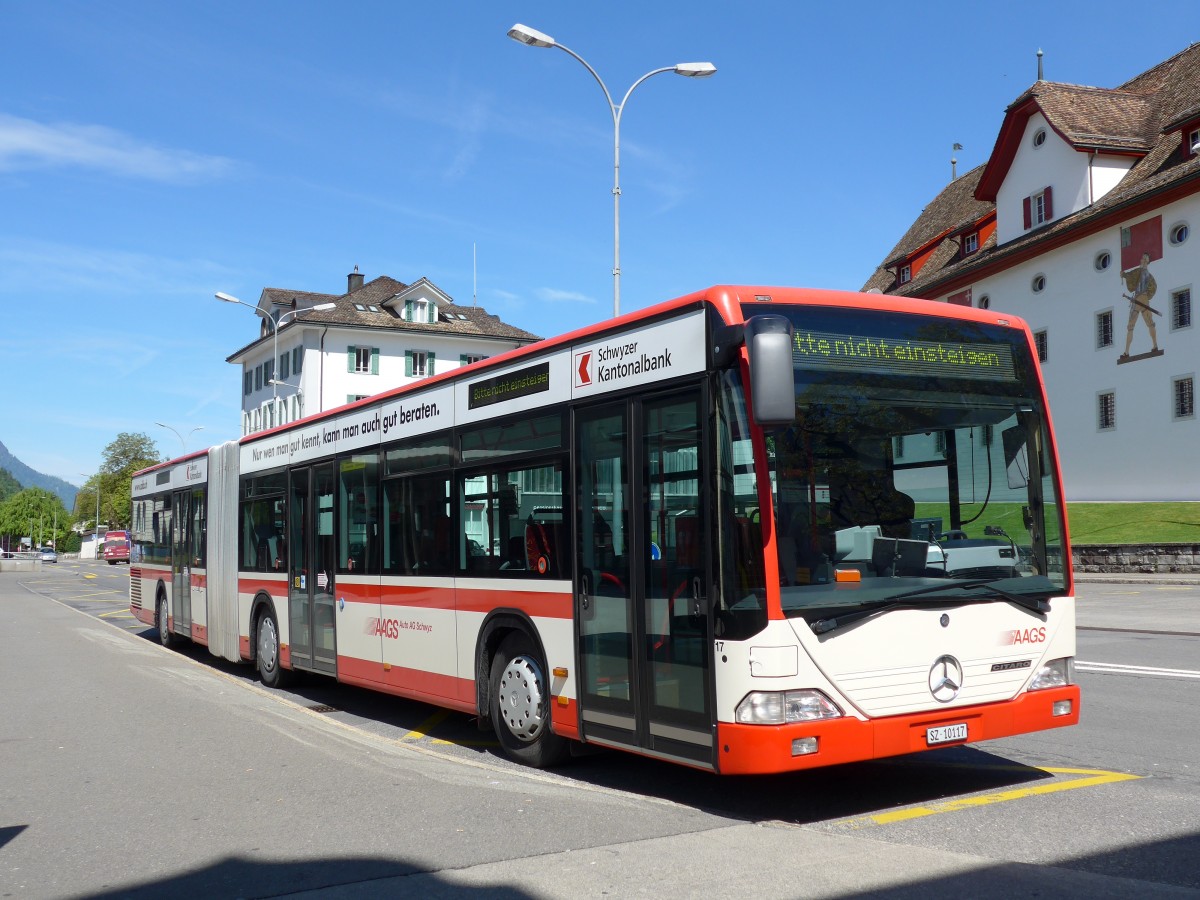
column 30, row 478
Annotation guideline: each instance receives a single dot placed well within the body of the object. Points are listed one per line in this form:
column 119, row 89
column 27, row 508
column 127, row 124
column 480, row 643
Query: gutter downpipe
column 321, row 374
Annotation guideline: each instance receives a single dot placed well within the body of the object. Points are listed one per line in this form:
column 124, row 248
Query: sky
column 154, row 153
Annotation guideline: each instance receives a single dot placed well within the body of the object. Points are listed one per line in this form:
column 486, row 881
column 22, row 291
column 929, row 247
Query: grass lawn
column 1134, row 523
column 1094, row 523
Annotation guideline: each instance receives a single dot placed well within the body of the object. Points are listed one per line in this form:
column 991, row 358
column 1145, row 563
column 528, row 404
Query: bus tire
column 162, row 621
column 520, row 698
column 266, row 654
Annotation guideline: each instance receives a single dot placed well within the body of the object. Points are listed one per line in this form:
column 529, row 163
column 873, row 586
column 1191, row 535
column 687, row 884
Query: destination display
column 832, row 351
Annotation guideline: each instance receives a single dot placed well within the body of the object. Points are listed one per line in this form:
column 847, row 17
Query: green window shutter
column 462, row 359
column 429, row 358
column 432, row 312
column 408, row 310
column 350, row 359
column 374, row 360
column 408, row 363
column 350, row 398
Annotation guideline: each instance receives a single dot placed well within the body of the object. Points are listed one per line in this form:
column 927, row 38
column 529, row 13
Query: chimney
column 353, row 281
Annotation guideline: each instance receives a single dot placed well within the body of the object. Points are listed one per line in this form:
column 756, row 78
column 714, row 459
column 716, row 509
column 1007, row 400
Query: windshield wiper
column 1033, row 604
column 1036, row 605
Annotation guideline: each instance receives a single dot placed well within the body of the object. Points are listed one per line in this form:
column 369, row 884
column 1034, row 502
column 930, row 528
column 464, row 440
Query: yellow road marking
column 421, row 730
column 89, row 575
column 116, row 613
column 465, row 743
column 1095, row 777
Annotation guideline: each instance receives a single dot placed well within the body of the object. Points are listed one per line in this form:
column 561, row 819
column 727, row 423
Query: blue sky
column 153, row 153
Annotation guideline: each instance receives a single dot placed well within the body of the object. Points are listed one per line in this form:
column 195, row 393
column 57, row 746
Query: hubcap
column 268, row 644
column 164, row 629
column 520, row 698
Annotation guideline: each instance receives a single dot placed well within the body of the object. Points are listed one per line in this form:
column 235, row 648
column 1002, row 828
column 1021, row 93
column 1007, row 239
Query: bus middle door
column 312, row 547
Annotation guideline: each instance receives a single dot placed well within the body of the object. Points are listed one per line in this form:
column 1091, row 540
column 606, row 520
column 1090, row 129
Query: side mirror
column 772, row 390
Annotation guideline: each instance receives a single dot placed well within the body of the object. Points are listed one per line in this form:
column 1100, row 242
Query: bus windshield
column 919, row 468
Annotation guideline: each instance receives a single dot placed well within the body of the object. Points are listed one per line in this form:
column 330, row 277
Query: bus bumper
column 762, row 749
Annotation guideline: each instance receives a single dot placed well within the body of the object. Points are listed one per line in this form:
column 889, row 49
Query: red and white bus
column 750, row 530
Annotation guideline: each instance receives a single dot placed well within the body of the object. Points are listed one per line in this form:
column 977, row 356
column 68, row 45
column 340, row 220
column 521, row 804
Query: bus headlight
column 781, row 707
column 1056, row 673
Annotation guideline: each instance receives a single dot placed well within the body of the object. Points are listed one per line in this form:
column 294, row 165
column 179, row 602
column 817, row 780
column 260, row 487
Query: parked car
column 115, row 548
column 48, row 555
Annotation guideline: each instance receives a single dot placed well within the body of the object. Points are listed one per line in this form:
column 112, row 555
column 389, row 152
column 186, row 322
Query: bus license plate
column 944, row 734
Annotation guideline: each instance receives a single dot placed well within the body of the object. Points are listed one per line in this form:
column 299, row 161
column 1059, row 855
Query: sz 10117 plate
column 945, row 734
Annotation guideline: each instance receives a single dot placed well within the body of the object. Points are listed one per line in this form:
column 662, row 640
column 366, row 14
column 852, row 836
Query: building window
column 1104, row 329
column 466, row 359
column 258, row 379
column 1185, row 397
column 985, row 302
column 1038, row 208
column 418, row 363
column 905, row 274
column 248, row 383
column 362, row 360
column 1039, row 137
column 939, row 443
column 1179, row 233
column 297, row 359
column 268, row 371
column 898, row 447
column 1039, row 283
column 986, row 435
column 971, row 243
column 1103, row 260
column 1181, row 309
column 1107, row 410
column 1193, row 142
column 1042, row 342
column 284, row 360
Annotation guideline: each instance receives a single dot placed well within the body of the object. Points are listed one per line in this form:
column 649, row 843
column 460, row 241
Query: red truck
column 115, row 548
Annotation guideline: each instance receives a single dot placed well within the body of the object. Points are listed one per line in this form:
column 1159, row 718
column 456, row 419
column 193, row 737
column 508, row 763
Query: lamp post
column 275, row 382
column 182, row 442
column 523, row 34
column 96, row 529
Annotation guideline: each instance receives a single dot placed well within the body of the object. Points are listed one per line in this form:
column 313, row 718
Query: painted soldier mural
column 1141, row 287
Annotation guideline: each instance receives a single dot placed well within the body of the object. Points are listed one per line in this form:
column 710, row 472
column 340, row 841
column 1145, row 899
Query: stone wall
column 1147, row 559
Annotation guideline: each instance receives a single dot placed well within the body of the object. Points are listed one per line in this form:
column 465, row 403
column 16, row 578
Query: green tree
column 127, row 454
column 8, row 485
column 37, row 513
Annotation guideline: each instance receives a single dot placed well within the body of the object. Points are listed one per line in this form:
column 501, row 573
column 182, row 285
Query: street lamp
column 275, row 382
column 523, row 34
column 96, row 530
column 182, row 442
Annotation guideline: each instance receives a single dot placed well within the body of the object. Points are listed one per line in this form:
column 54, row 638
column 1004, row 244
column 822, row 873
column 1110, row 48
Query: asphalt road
column 130, row 770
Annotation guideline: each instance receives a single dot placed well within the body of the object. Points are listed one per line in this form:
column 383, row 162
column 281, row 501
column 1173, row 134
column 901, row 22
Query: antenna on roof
column 1039, row 63
column 954, row 163
column 474, row 276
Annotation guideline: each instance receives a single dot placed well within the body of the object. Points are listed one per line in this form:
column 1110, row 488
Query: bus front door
column 311, row 567
column 181, row 575
column 643, row 621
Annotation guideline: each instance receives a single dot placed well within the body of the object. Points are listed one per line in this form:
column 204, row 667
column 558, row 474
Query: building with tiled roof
column 1080, row 223
column 333, row 349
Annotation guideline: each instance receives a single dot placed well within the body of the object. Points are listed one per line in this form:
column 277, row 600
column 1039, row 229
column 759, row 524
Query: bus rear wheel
column 520, row 698
column 163, row 621
column 267, row 656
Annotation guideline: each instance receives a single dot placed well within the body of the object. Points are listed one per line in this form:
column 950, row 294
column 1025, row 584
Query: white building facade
column 1082, row 222
column 335, row 349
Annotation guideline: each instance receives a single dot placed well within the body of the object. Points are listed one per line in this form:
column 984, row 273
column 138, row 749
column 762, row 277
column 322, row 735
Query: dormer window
column 1193, row 142
column 1038, row 208
column 971, row 243
column 420, row 310
column 905, row 274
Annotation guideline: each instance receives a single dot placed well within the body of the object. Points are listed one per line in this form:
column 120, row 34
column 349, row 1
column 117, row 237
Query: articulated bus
column 750, row 530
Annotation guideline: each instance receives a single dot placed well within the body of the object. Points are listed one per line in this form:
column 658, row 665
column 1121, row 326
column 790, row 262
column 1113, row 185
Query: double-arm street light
column 525, row 35
column 275, row 324
column 182, row 442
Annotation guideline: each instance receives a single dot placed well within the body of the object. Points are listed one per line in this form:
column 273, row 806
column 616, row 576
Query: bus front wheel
column 520, row 698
